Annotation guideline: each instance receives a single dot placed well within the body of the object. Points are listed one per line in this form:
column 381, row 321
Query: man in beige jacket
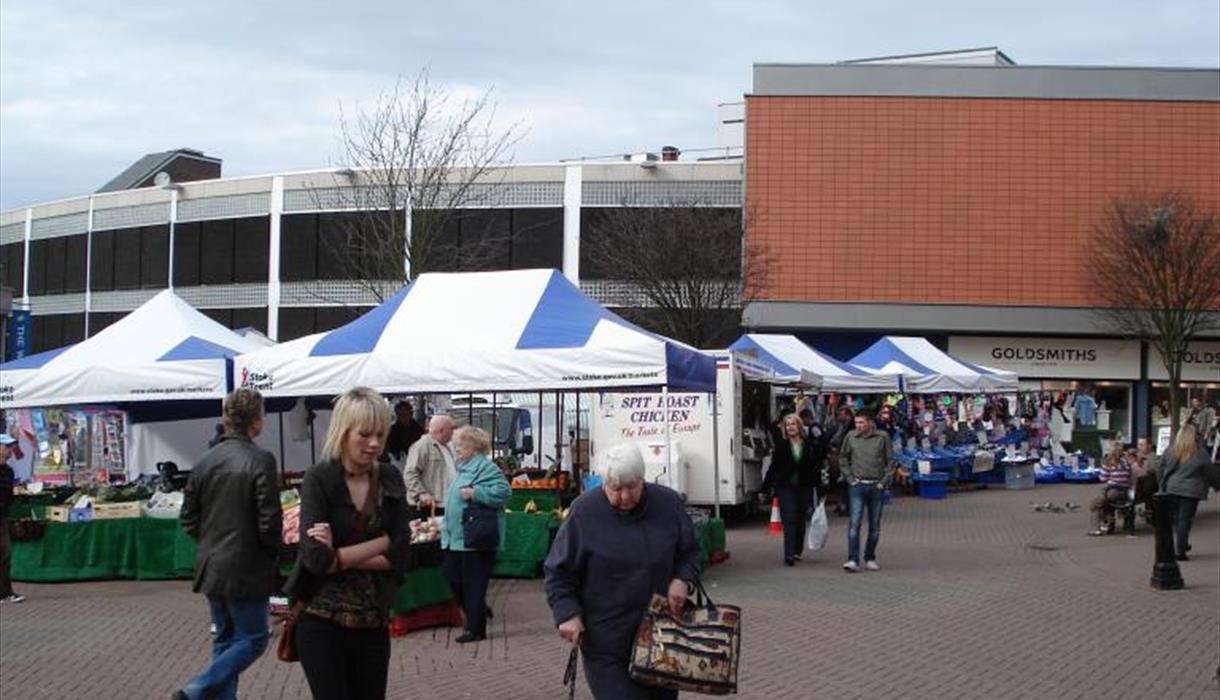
column 429, row 467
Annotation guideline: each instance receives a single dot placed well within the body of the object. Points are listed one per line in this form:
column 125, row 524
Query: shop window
column 299, row 247
column 76, row 262
column 537, row 239
column 154, row 257
column 186, row 254
column 101, row 261
column 127, row 258
column 216, row 252
column 250, row 318
column 1159, row 397
column 1111, row 409
column 12, row 258
column 252, row 239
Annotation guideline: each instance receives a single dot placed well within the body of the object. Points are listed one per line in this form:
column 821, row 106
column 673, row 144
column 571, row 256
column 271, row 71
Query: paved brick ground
column 979, row 597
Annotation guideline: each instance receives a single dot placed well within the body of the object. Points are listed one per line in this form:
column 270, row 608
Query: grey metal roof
column 148, row 166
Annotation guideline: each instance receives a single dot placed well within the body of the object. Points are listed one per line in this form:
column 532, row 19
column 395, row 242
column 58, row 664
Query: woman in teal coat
column 468, row 570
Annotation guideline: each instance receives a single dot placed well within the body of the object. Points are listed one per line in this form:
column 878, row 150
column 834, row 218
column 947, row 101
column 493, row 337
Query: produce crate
column 111, row 511
column 58, row 514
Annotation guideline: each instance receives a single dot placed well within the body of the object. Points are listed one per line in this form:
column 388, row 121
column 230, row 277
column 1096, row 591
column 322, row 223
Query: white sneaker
column 851, row 567
column 872, row 566
column 14, row 598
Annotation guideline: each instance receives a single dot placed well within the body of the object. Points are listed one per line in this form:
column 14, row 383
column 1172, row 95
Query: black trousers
column 795, row 507
column 1183, row 518
column 6, row 558
column 342, row 663
column 468, row 574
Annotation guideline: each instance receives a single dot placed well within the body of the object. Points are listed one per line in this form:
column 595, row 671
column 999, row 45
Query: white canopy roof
column 787, row 354
column 518, row 330
column 927, row 370
column 161, row 351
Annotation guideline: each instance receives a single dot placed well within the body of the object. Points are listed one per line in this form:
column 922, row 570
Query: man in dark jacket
column 231, row 506
column 6, row 544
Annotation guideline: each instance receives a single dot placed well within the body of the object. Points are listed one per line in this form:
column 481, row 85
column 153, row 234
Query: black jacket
column 231, row 506
column 325, row 499
column 808, row 470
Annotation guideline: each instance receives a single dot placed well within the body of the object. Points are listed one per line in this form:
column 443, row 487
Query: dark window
column 222, row 316
column 335, row 256
column 74, row 328
column 537, row 238
column 52, row 332
column 299, row 247
column 127, row 258
column 486, row 239
column 100, row 321
column 216, row 252
column 12, row 257
column 186, row 254
column 38, row 267
column 76, row 262
column 295, row 323
column 154, row 257
column 56, row 251
column 252, row 240
column 101, row 263
column 250, row 318
column 591, row 219
column 38, row 329
column 443, row 249
column 331, row 317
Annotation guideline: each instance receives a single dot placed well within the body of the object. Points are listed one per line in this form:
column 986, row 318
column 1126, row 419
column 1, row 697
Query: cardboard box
column 58, row 514
column 111, row 511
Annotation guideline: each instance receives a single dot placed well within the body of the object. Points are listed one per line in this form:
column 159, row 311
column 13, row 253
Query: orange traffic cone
column 776, row 526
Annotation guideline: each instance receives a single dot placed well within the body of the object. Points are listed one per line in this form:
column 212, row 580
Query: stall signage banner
column 1200, row 363
column 1065, row 358
column 20, row 330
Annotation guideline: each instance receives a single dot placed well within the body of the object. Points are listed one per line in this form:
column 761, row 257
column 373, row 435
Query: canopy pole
column 668, row 447
column 494, row 421
column 282, row 470
column 538, row 429
column 715, row 454
column 575, row 442
column 558, row 431
column 313, row 457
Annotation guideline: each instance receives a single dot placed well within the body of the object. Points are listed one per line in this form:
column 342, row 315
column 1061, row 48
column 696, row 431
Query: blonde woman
column 1184, row 476
column 353, row 553
column 479, row 484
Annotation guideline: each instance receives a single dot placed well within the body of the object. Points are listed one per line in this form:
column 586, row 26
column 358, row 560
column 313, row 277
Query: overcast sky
column 88, row 87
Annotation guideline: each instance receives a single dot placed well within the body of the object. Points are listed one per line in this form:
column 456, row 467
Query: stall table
column 138, row 548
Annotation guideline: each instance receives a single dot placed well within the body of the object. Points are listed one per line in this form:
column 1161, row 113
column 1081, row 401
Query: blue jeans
column 864, row 495
column 241, row 636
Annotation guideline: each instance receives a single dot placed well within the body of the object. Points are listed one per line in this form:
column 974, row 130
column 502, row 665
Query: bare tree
column 1156, row 267
column 414, row 162
column 691, row 263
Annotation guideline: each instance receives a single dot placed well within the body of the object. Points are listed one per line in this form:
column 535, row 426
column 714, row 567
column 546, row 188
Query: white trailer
column 715, row 454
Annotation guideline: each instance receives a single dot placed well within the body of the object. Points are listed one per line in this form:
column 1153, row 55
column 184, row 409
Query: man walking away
column 6, row 544
column 867, row 461
column 231, row 506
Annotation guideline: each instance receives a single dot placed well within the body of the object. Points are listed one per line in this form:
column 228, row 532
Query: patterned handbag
column 697, row 653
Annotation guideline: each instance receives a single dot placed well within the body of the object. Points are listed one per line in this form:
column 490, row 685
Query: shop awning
column 521, row 330
column 163, row 351
column 927, row 370
column 788, row 354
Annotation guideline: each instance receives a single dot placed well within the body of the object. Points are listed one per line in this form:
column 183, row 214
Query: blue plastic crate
column 995, row 476
column 932, row 486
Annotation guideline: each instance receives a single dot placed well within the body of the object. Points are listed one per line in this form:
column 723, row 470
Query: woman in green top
column 792, row 478
column 468, row 570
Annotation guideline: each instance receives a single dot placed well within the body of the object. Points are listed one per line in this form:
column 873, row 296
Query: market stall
column 788, row 355
column 924, row 369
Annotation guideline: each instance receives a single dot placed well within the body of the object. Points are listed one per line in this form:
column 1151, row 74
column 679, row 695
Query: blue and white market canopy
column 520, row 330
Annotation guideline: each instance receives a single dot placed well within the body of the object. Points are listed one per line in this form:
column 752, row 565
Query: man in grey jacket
column 429, row 467
column 868, row 465
column 231, row 506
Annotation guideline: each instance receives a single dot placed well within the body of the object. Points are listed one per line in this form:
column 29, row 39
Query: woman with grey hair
column 621, row 543
column 467, row 568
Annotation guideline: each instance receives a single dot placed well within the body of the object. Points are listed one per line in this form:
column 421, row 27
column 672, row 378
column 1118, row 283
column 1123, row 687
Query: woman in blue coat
column 620, row 544
column 468, row 570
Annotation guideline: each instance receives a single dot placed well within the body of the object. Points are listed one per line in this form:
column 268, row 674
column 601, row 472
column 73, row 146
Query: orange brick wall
column 957, row 200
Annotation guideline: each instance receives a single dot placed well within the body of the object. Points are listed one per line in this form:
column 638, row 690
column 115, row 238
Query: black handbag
column 481, row 527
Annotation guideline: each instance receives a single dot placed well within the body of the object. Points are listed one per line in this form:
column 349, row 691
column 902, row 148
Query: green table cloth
column 711, row 538
column 421, row 588
column 150, row 548
column 139, row 548
column 545, row 500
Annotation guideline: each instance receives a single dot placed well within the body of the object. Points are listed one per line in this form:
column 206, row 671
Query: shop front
column 1095, row 378
column 1200, row 379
